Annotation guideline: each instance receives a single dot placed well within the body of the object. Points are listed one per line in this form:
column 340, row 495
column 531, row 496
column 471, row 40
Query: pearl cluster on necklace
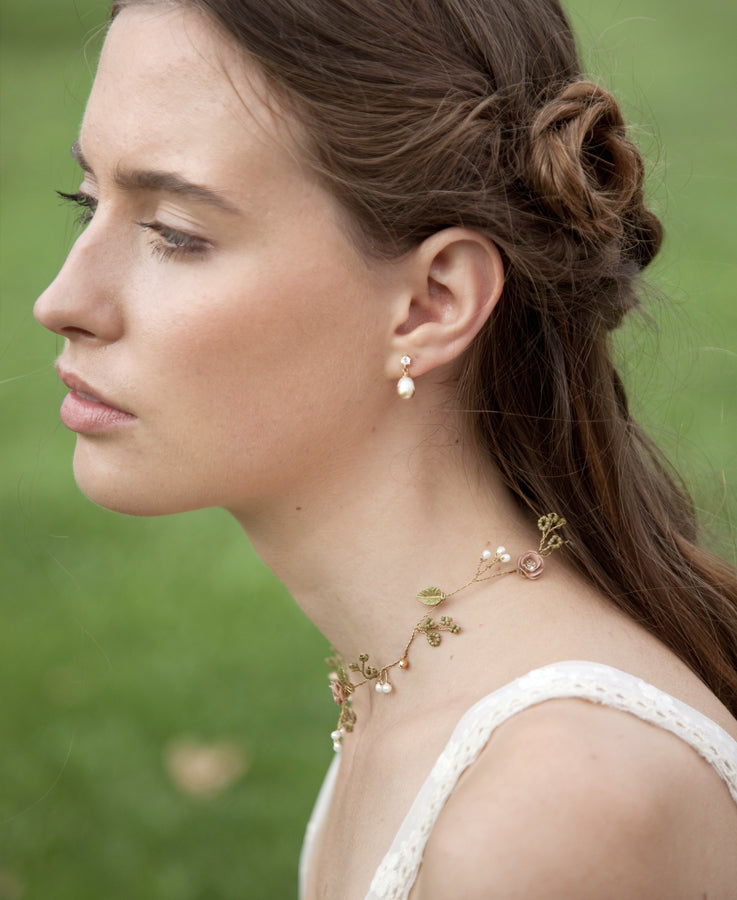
column 501, row 553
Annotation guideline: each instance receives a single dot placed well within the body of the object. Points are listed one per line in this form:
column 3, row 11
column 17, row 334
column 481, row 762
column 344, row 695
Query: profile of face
column 219, row 322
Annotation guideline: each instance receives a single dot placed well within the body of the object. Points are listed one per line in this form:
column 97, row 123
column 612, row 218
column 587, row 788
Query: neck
column 401, row 508
column 354, row 553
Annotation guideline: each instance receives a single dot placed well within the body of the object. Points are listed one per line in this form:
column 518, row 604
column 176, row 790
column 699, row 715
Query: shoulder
column 574, row 800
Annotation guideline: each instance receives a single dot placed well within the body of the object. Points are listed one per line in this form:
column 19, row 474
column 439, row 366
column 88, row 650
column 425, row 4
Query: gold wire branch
column 529, row 564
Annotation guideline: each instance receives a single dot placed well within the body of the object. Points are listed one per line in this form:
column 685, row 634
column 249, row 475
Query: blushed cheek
column 257, row 358
column 262, row 339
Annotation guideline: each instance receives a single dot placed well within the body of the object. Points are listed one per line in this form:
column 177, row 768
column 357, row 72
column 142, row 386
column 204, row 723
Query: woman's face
column 214, row 301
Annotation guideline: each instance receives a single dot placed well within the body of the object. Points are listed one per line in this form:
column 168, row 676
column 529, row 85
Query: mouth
column 85, row 396
column 86, row 411
column 84, row 392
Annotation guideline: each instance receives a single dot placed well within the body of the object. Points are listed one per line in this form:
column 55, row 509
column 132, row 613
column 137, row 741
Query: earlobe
column 457, row 277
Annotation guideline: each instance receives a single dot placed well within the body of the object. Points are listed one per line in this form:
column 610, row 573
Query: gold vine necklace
column 530, row 564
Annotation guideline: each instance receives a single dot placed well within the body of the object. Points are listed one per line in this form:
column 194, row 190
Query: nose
column 82, row 302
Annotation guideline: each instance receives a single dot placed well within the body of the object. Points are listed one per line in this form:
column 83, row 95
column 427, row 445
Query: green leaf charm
column 431, row 596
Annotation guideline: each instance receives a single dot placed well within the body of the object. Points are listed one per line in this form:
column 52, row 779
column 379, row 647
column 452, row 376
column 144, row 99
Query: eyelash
column 170, row 242
column 175, row 243
column 85, row 204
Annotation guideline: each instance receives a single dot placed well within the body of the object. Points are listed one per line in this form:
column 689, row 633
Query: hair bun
column 582, row 166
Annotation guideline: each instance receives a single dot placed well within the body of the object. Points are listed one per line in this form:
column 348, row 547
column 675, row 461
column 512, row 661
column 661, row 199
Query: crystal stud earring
column 405, row 385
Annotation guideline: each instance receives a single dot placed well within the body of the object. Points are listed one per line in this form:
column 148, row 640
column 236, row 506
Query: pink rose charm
column 339, row 696
column 341, row 691
column 530, row 564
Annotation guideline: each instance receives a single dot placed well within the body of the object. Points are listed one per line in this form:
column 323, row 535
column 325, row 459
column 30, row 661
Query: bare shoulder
column 574, row 800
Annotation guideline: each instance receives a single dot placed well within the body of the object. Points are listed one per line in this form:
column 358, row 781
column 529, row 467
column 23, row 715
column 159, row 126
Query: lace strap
column 580, row 680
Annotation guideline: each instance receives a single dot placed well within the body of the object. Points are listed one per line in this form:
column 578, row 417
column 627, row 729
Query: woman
column 349, row 272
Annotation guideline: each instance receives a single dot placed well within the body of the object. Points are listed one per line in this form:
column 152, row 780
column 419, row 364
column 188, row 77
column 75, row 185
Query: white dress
column 590, row 681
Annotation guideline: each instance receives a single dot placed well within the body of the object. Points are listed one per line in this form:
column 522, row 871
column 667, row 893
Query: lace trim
column 581, row 680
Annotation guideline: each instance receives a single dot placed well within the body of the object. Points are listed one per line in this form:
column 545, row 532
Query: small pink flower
column 530, row 564
column 339, row 693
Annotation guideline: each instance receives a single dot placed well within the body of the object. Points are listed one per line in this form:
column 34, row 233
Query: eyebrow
column 167, row 182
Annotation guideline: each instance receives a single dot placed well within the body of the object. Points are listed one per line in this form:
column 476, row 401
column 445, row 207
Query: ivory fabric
column 590, row 681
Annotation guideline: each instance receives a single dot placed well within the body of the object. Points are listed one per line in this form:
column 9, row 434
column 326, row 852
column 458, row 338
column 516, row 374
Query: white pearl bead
column 500, row 551
column 406, row 387
column 486, row 554
column 337, row 746
column 379, row 688
column 387, row 688
column 505, row 557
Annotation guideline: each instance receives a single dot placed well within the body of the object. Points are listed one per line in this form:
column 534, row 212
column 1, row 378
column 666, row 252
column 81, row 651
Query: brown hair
column 423, row 114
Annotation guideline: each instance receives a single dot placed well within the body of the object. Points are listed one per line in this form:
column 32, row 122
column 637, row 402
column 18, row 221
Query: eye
column 85, row 204
column 167, row 242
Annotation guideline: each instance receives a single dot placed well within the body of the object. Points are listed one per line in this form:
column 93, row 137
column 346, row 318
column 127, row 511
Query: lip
column 86, row 411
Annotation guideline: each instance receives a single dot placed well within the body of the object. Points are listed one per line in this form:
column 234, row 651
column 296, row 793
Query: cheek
column 244, row 388
column 269, row 350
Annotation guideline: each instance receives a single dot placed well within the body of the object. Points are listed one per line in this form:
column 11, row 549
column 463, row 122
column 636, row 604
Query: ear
column 453, row 281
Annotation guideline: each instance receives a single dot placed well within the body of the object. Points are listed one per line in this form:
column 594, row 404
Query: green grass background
column 118, row 635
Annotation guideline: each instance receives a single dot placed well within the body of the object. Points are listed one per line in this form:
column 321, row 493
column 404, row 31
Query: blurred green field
column 120, row 637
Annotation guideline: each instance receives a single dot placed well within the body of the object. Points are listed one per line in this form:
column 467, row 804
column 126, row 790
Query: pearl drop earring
column 405, row 385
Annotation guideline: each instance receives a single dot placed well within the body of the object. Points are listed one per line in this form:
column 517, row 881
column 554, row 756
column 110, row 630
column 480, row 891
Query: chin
column 129, row 503
column 128, row 490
